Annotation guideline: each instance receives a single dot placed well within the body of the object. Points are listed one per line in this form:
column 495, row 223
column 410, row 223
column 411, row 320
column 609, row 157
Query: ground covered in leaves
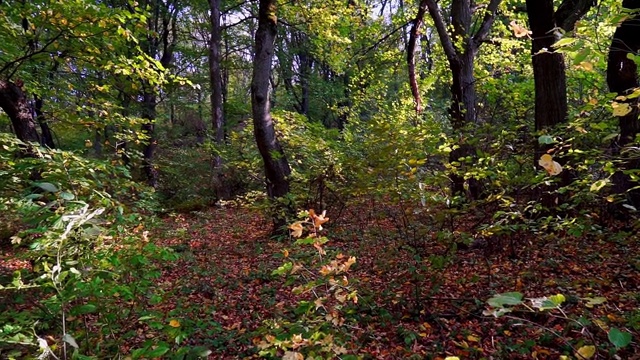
column 417, row 298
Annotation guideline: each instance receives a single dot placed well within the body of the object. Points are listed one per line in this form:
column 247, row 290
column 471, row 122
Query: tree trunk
column 276, row 166
column 622, row 78
column 548, row 67
column 47, row 135
column 411, row 55
column 215, row 74
column 622, row 72
column 148, row 128
column 217, row 114
column 14, row 102
column 461, row 46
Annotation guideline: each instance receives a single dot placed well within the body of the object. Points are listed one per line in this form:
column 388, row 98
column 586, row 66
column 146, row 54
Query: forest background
column 169, row 168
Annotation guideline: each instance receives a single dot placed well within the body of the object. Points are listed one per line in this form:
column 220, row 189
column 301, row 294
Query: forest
column 319, row 179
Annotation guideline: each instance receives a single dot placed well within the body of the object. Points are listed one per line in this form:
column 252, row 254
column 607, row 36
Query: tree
column 548, row 64
column 215, row 78
column 276, row 166
column 411, row 54
column 14, row 102
column 159, row 44
column 622, row 71
column 461, row 47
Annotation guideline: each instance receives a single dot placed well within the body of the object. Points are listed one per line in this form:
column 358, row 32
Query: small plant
column 502, row 304
column 316, row 326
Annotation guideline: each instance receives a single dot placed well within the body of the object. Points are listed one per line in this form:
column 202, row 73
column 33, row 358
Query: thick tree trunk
column 463, row 91
column 622, row 72
column 14, row 102
column 622, row 78
column 276, row 166
column 548, row 67
column 461, row 47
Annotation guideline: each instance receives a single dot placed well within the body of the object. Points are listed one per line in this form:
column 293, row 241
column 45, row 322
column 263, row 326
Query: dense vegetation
column 351, row 179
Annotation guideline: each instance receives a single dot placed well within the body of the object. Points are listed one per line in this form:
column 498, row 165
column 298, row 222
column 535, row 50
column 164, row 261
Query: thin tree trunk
column 47, row 136
column 411, row 55
column 148, row 128
column 276, row 166
column 217, row 114
column 14, row 102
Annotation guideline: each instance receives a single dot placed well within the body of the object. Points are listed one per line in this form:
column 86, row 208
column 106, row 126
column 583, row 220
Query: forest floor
column 418, row 298
column 408, row 306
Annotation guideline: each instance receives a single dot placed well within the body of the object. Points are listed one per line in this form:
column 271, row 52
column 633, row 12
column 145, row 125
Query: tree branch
column 441, row 27
column 485, row 27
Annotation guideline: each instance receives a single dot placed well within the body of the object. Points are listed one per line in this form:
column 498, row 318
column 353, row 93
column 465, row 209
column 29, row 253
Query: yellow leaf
column 473, row 338
column 620, row 109
column 174, row 323
column 452, row 358
column 297, row 229
column 552, row 167
column 586, row 65
column 586, row 352
column 518, row 30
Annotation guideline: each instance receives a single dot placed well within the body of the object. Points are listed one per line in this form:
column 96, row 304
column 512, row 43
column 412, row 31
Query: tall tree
column 215, row 79
column 159, row 44
column 548, row 65
column 461, row 46
column 622, row 71
column 411, row 54
column 276, row 166
column 622, row 78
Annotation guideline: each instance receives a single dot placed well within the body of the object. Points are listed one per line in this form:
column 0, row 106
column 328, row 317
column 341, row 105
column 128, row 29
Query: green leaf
column 200, row 351
column 564, row 42
column 510, row 298
column 48, row 187
column 596, row 186
column 283, row 269
column 84, row 309
column 70, row 340
column 619, row 338
column 65, row 195
column 545, row 140
column 157, row 352
column 591, row 302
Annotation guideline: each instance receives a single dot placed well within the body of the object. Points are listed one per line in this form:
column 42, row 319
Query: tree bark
column 548, row 66
column 622, row 78
column 148, row 128
column 622, row 72
column 411, row 55
column 461, row 47
column 276, row 166
column 14, row 102
column 217, row 113
column 47, row 136
column 215, row 73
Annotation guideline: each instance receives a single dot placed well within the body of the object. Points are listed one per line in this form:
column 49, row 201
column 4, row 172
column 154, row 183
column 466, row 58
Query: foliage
column 319, row 327
column 501, row 304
